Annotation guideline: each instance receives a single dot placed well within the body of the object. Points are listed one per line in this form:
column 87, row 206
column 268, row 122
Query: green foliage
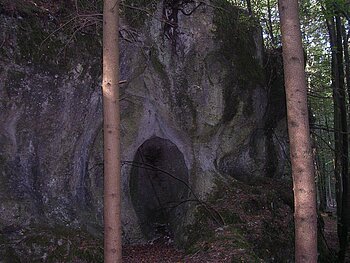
column 332, row 7
column 313, row 17
column 266, row 12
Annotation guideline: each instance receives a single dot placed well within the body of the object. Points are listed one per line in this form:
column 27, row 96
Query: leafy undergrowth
column 258, row 227
column 258, row 224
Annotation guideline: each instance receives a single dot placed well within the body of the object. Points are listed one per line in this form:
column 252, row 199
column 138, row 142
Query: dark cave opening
column 159, row 188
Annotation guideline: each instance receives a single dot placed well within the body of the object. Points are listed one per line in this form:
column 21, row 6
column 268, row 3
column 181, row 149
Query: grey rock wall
column 181, row 86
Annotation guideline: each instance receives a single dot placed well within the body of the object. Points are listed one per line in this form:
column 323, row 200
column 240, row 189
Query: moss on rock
column 235, row 30
column 157, row 65
column 50, row 244
column 39, row 43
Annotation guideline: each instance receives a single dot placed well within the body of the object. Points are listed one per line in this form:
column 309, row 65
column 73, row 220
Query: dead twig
column 69, row 22
column 217, row 217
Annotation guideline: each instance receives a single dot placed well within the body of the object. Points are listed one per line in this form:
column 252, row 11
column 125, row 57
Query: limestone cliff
column 194, row 104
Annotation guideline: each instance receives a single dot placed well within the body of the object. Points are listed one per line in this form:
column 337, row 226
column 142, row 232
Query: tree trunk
column 346, row 58
column 347, row 78
column 320, row 184
column 344, row 139
column 299, row 134
column 249, row 7
column 111, row 133
column 269, row 24
column 330, row 192
column 325, row 182
column 337, row 126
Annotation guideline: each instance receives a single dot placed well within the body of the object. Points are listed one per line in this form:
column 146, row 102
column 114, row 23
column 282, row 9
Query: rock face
column 193, row 110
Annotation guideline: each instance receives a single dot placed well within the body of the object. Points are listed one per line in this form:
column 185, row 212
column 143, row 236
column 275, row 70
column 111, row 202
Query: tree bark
column 320, row 174
column 249, row 7
column 111, row 133
column 325, row 182
column 299, row 134
column 329, row 178
column 337, row 123
column 347, row 58
column 269, row 24
column 344, row 139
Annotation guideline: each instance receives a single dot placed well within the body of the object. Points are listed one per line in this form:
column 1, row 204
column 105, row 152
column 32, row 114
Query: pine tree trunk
column 329, row 177
column 299, row 134
column 111, row 132
column 269, row 24
column 320, row 184
column 325, row 182
column 344, row 139
column 249, row 7
column 347, row 78
column 347, row 59
column 337, row 127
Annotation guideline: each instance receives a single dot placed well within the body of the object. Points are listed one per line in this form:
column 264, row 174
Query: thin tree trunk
column 299, row 134
column 337, row 126
column 111, row 132
column 324, row 186
column 330, row 195
column 320, row 183
column 269, row 24
column 347, row 59
column 347, row 78
column 344, row 140
column 249, row 7
column 325, row 182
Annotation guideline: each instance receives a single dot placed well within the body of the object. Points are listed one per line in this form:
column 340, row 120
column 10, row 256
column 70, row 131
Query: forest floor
column 258, row 227
column 237, row 223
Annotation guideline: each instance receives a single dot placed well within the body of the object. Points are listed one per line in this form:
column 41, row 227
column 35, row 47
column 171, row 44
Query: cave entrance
column 159, row 188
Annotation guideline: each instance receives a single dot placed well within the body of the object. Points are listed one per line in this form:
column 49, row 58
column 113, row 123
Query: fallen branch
column 218, row 218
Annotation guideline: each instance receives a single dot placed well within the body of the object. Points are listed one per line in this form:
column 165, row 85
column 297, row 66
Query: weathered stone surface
column 200, row 86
